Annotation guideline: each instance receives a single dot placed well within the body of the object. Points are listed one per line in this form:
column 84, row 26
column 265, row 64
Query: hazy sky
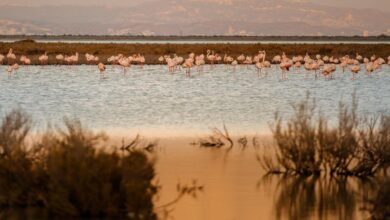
column 375, row 4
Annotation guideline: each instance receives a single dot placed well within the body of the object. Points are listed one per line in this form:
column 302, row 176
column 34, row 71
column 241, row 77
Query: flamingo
column 74, row 58
column 227, row 59
column 199, row 62
column 355, row 70
column 9, row 70
column 211, row 57
column 359, row 57
column 171, row 64
column 259, row 67
column 178, row 61
column 125, row 63
column 234, row 64
column 91, row 58
column 15, row 67
column 241, row 58
column 277, row 59
column 263, row 64
column 307, row 58
column 315, row 66
column 248, row 61
column 369, row 67
column 328, row 70
column 60, row 58
column 22, row 58
column 161, row 60
column 11, row 57
column 101, row 68
column 188, row 65
column 43, row 59
column 343, row 65
column 285, row 66
column 25, row 60
column 140, row 60
column 325, row 59
column 298, row 65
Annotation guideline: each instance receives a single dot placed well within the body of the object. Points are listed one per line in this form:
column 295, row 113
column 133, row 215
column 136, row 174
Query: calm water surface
column 236, row 188
column 150, row 100
column 154, row 102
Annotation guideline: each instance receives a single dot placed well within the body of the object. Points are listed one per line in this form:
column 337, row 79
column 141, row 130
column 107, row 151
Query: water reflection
column 317, row 197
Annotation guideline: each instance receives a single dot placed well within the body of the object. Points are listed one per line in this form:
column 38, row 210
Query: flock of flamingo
column 320, row 65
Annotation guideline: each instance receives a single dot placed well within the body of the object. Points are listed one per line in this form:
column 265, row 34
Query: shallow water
column 156, row 103
column 151, row 101
column 236, row 187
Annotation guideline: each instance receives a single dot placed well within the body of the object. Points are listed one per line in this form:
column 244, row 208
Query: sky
column 195, row 17
column 383, row 5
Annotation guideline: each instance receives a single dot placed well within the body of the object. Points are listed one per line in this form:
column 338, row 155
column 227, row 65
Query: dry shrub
column 65, row 175
column 306, row 145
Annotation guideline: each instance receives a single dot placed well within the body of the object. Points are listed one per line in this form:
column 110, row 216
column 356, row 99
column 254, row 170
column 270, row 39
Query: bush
column 65, row 175
column 307, row 146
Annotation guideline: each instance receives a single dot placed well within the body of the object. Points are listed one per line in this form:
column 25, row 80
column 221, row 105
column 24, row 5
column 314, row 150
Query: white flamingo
column 43, row 59
column 60, row 58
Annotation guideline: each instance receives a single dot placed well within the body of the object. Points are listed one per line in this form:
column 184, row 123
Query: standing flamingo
column 188, row 65
column 234, row 64
column 355, row 70
column 369, row 68
column 328, row 70
column 285, row 66
column 15, row 67
column 60, row 59
column 9, row 70
column 161, row 60
column 101, row 68
column 125, row 63
column 43, row 59
column 11, row 57
column 210, row 57
column 171, row 64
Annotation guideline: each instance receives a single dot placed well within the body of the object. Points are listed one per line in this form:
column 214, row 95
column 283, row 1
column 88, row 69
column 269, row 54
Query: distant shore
column 153, row 51
column 380, row 38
